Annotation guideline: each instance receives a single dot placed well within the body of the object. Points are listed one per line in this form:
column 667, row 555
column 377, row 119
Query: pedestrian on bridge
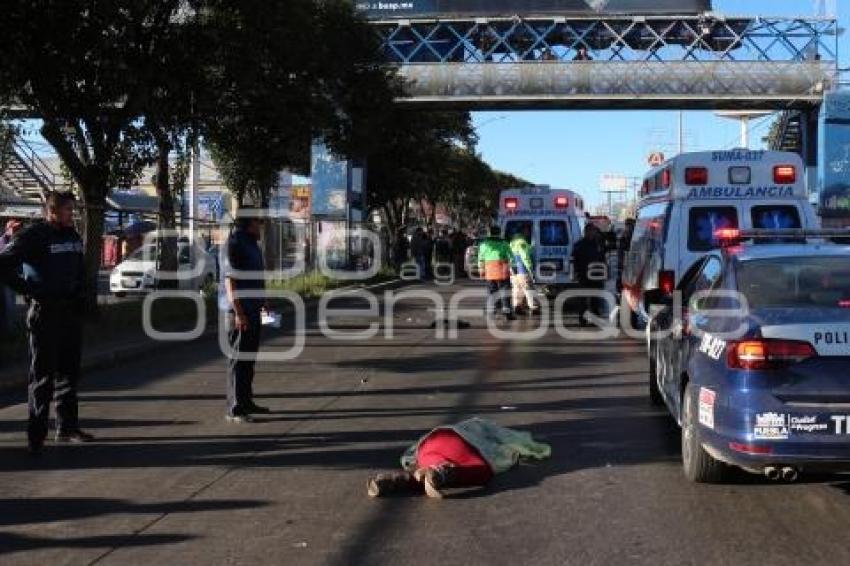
column 494, row 262
column 242, row 297
column 582, row 54
column 45, row 263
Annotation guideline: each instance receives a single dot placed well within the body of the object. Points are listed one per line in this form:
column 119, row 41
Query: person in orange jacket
column 494, row 263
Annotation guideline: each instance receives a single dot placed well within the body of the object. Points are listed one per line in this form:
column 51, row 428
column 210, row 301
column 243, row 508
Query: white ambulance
column 687, row 200
column 552, row 221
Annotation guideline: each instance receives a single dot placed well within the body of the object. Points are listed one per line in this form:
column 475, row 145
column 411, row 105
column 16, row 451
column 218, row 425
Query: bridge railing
column 694, row 62
column 615, row 39
column 843, row 80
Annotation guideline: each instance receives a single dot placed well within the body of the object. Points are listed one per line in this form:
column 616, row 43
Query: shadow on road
column 48, row 510
column 95, row 424
column 11, row 543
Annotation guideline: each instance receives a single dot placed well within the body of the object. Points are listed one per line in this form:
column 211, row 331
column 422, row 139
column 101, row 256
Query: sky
column 573, row 149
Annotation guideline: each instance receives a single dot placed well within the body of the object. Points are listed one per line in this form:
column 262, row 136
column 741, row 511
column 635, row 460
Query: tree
column 86, row 69
column 287, row 73
column 170, row 119
column 410, row 160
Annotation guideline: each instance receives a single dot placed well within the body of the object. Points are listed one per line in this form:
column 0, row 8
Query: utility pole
column 745, row 117
column 681, row 132
column 192, row 188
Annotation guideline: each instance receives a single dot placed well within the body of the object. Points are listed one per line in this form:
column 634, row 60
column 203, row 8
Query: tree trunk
column 271, row 236
column 94, row 205
column 392, row 224
column 167, row 260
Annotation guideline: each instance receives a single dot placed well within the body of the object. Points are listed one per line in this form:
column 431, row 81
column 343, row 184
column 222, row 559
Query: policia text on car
column 45, row 264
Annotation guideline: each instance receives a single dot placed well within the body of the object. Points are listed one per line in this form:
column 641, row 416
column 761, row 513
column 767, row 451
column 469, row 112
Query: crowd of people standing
column 507, row 265
column 426, row 250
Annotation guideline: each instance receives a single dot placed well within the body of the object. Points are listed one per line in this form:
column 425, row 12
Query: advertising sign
column 300, row 206
column 614, row 183
column 392, row 9
column 330, row 183
column 211, row 206
column 331, row 243
column 834, row 156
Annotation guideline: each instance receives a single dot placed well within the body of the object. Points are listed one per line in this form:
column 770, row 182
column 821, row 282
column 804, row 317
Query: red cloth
column 448, row 447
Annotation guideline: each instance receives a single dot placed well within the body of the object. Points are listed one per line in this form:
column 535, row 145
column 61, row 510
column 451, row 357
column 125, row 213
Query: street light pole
column 681, row 132
column 192, row 187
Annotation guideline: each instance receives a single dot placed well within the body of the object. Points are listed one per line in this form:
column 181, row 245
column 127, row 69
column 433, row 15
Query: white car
column 470, row 259
column 138, row 273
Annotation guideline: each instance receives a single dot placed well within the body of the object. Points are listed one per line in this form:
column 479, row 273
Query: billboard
column 330, row 183
column 834, row 156
column 300, row 207
column 211, row 206
column 393, row 9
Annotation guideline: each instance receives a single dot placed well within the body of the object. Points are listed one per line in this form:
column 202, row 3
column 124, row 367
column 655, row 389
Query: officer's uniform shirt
column 52, row 260
column 245, row 266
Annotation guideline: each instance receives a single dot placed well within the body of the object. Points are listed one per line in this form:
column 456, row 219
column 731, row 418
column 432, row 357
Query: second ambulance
column 551, row 221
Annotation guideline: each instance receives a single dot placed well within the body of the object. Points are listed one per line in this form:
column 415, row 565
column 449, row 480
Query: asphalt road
column 169, row 482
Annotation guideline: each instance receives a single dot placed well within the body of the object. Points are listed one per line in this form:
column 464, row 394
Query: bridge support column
column 809, row 126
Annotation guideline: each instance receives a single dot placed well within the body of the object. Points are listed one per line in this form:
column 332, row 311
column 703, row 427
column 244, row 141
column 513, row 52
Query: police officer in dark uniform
column 51, row 255
column 244, row 272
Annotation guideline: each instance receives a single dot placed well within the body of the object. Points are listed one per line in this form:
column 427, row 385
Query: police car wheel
column 698, row 465
column 654, row 393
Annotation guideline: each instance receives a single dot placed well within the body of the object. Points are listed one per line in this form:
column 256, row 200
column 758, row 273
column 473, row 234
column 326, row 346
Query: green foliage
column 89, row 71
column 122, row 84
column 430, row 157
column 286, row 73
column 314, row 284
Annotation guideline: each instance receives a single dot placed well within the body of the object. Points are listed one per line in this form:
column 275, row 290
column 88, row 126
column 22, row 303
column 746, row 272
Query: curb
column 15, row 377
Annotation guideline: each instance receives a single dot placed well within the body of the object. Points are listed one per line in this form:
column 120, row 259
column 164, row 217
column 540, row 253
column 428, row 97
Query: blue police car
column 752, row 355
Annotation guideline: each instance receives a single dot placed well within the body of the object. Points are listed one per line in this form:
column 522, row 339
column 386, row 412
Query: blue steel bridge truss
column 684, row 62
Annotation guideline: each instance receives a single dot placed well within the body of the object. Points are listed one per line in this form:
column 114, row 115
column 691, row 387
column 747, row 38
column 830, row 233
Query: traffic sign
column 656, row 158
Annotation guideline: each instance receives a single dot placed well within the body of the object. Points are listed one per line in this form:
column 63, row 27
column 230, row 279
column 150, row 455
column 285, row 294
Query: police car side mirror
column 657, row 297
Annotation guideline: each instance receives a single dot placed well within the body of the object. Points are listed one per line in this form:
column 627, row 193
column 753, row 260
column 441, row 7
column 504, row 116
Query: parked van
column 685, row 201
column 552, row 221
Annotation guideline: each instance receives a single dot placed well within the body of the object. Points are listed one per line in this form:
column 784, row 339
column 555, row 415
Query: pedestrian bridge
column 692, row 62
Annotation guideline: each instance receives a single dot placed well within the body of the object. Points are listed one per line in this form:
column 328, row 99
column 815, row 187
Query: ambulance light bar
column 785, row 174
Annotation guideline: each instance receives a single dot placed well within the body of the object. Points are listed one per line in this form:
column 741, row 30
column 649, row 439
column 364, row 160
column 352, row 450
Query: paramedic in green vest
column 494, row 263
column 522, row 275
